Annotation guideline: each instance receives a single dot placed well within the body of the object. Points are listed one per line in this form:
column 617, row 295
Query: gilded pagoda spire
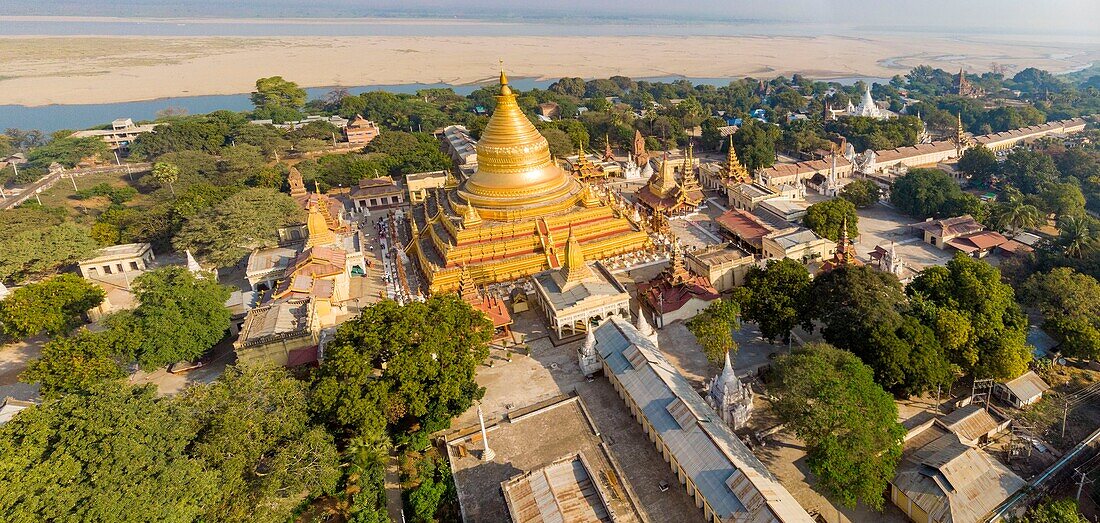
column 574, row 269
column 663, row 183
column 470, row 218
column 608, row 154
column 317, row 226
column 466, row 287
column 515, row 170
column 733, row 170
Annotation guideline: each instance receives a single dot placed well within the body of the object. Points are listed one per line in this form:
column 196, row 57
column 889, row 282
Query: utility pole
column 72, row 178
column 36, row 191
column 1065, row 414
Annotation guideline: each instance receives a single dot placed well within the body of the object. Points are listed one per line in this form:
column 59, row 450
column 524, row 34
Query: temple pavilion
column 664, row 193
column 510, row 219
column 845, row 255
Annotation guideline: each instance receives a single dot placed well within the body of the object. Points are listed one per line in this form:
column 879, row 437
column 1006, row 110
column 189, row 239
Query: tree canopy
column 995, row 346
column 1070, row 305
column 54, row 305
column 180, row 315
column 828, row 218
column 773, row 297
column 862, row 193
column 403, row 369
column 39, row 241
column 248, row 220
column 831, row 401
column 755, row 144
column 278, row 99
column 714, row 327
column 923, row 193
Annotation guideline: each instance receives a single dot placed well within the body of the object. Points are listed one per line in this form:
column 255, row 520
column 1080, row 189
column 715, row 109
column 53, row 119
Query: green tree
column 254, row 429
column 1070, row 305
column 75, row 364
column 430, row 351
column 166, row 174
column 1076, row 236
column 1013, row 214
column 1064, row 510
column 68, row 152
column 853, row 439
column 827, row 218
column 862, row 193
column 277, row 98
column 974, row 289
column 245, row 221
column 39, row 241
column 55, row 305
column 434, row 491
column 180, row 315
column 924, row 193
column 980, row 164
column 74, row 457
column 773, row 297
column 1063, row 199
column 714, row 327
column 755, row 144
column 1029, row 170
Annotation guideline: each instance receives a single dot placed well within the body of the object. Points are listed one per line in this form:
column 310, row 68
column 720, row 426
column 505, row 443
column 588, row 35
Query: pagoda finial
column 575, row 268
column 503, row 77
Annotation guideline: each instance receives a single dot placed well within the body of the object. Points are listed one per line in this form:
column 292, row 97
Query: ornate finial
column 316, row 187
column 503, row 77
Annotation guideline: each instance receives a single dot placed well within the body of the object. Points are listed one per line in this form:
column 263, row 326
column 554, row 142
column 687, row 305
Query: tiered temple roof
column 675, row 286
column 664, row 193
column 845, row 255
column 510, row 218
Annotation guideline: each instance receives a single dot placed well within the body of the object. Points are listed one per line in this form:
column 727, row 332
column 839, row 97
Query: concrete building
column 579, row 293
column 746, row 229
column 361, row 131
column 462, row 149
column 531, row 477
column 122, row 133
column 962, row 233
column 796, row 243
column 373, row 194
column 802, row 172
column 723, row 265
column 118, row 259
column 418, row 184
column 727, row 482
column 1008, row 139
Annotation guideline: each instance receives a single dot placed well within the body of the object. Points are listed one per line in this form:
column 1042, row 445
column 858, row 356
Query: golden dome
column 514, row 165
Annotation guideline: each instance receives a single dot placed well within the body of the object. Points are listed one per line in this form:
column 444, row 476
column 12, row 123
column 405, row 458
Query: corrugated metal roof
column 1027, row 386
column 736, row 485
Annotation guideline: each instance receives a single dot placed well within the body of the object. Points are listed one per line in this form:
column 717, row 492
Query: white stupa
column 731, row 399
column 646, row 329
column 866, row 107
column 587, row 358
column 4, row 292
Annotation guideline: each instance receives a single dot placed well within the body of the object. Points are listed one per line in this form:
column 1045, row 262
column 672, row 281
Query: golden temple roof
column 515, row 169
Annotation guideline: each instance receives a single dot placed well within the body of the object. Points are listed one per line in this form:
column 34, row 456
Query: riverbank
column 96, row 70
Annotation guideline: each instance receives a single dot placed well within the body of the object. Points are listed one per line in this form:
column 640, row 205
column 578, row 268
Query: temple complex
column 582, row 168
column 510, row 218
column 579, row 294
column 732, row 170
column 676, row 293
column 964, row 88
column 491, row 306
column 665, row 194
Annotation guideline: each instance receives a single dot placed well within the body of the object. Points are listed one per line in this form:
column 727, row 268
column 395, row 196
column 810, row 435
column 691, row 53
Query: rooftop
column 288, row 318
column 794, row 236
column 521, row 447
column 952, row 481
column 956, row 226
column 744, row 224
column 117, row 252
column 734, row 482
column 561, row 491
column 598, row 283
column 1027, row 386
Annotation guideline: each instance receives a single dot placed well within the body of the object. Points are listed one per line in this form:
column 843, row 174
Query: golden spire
column 733, row 168
column 470, row 218
column 317, row 227
column 663, row 183
column 504, row 80
column 575, row 269
column 589, row 197
column 515, row 169
column 466, row 288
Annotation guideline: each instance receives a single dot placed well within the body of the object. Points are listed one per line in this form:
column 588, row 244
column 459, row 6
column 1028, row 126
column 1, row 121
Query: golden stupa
column 511, row 218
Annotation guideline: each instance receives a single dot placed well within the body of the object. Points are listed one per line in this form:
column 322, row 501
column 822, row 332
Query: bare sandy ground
column 70, row 70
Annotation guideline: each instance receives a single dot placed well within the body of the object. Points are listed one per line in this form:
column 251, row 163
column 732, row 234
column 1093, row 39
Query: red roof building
column 676, row 294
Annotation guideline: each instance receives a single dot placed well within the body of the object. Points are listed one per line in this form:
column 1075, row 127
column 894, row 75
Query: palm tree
column 1075, row 235
column 1014, row 215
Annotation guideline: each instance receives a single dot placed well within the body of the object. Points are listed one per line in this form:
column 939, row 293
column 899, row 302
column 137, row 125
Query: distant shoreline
column 49, row 70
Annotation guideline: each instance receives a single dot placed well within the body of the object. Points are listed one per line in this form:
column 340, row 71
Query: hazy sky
column 1038, row 16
